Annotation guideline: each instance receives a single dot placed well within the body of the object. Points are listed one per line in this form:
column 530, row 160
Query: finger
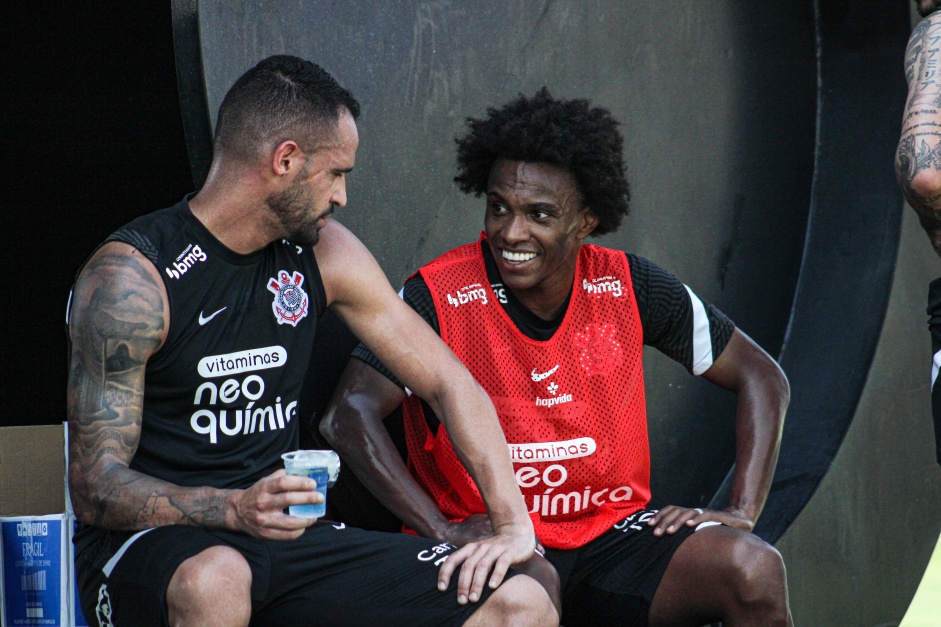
column 304, row 497
column 283, row 534
column 674, row 519
column 289, row 483
column 500, row 568
column 465, row 578
column 446, row 570
column 279, row 522
column 659, row 515
column 699, row 517
column 489, row 559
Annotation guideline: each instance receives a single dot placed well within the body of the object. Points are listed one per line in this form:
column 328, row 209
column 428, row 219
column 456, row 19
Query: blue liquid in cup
column 317, row 510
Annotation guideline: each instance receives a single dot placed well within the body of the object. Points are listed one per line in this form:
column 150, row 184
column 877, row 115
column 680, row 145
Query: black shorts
column 612, row 579
column 332, row 575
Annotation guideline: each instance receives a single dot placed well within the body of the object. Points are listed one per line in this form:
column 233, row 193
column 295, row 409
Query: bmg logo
column 186, row 260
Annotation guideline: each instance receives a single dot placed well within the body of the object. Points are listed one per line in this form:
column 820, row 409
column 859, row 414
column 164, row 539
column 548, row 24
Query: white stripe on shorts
column 124, row 547
column 702, row 338
column 935, row 367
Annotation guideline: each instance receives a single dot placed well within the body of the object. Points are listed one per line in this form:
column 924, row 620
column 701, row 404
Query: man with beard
column 209, row 307
column 554, row 328
column 918, row 165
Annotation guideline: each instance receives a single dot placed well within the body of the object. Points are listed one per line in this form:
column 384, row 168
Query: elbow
column 784, row 390
column 330, row 427
column 926, row 184
column 80, row 494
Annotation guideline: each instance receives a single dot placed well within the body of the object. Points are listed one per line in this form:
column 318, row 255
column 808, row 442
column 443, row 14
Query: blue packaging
column 34, row 569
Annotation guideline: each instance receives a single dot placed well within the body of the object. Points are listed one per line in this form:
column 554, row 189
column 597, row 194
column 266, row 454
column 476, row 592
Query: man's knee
column 520, row 600
column 216, row 581
column 759, row 576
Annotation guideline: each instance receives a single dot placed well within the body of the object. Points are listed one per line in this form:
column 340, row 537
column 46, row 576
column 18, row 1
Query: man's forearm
column 759, row 421
column 353, row 425
column 475, row 432
column 763, row 396
column 120, row 498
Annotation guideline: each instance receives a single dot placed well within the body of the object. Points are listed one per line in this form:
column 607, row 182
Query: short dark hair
column 571, row 134
column 283, row 97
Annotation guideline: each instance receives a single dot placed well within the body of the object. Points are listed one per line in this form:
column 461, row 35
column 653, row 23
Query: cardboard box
column 37, row 567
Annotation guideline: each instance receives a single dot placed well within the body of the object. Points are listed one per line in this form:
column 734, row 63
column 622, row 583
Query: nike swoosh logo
column 340, row 526
column 545, row 375
column 204, row 319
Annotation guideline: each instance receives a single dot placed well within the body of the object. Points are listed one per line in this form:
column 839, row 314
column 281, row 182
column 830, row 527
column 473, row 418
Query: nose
column 339, row 193
column 514, row 229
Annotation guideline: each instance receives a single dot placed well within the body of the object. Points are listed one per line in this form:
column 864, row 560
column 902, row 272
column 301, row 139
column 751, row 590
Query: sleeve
column 416, row 295
column 675, row 320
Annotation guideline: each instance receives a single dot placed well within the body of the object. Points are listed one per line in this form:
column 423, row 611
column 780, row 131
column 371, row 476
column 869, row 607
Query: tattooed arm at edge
column 918, row 157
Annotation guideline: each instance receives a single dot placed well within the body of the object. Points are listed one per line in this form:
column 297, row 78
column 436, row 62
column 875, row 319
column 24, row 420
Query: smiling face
column 535, row 225
column 318, row 188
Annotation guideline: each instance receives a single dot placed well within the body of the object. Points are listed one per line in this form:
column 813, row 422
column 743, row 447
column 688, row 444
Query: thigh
column 615, row 577
column 339, row 575
column 123, row 576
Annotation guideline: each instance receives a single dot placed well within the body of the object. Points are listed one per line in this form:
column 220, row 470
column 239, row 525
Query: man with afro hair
column 553, row 328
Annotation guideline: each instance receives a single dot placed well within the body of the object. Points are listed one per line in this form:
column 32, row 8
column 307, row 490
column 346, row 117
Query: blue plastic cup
column 321, row 466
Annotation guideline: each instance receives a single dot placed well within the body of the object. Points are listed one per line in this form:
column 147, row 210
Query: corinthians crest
column 290, row 301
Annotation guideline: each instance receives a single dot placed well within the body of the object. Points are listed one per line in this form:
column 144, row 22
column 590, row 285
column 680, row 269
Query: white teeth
column 517, row 257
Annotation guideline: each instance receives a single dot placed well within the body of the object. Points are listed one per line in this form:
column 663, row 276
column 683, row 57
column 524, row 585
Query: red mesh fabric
column 572, row 408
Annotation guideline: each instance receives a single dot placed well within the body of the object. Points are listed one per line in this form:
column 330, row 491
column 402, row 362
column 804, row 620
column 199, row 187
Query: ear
column 285, row 158
column 589, row 223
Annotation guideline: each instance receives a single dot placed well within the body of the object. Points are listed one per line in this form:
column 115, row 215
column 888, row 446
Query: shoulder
column 120, row 263
column 120, row 289
column 466, row 252
column 338, row 252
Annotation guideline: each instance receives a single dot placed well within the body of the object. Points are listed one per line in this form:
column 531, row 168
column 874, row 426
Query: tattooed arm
column 118, row 319
column 918, row 157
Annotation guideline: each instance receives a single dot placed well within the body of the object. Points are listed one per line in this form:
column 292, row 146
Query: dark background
column 92, row 137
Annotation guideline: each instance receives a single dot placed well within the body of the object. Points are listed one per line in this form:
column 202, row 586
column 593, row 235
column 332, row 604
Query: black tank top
column 221, row 394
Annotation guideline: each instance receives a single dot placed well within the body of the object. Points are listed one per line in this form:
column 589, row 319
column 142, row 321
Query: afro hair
column 571, row 134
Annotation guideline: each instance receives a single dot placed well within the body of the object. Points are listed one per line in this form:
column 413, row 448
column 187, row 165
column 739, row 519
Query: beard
column 292, row 209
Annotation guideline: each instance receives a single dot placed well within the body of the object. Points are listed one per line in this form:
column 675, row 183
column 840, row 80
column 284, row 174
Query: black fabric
column 612, row 579
column 934, row 325
column 332, row 575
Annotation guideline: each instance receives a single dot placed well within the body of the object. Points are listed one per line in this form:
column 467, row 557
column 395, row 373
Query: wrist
column 438, row 529
column 232, row 521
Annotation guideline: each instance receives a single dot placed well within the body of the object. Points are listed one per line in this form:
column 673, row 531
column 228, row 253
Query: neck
column 542, row 306
column 231, row 206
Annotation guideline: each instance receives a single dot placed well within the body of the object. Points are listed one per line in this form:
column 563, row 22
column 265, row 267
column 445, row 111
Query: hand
column 471, row 529
column 259, row 510
column 670, row 518
column 510, row 544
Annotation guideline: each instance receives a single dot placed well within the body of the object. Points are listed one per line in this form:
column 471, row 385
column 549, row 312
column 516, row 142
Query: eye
column 538, row 214
column 497, row 208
